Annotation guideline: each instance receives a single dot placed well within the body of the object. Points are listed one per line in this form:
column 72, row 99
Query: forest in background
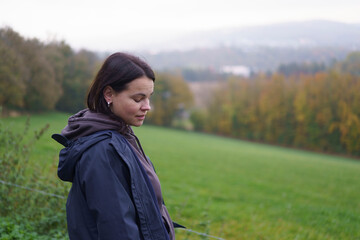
column 313, row 111
column 302, row 105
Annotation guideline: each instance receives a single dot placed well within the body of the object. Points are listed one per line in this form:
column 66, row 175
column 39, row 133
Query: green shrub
column 31, row 201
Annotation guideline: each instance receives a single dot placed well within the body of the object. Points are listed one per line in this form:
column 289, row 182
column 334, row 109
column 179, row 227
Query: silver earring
column 108, row 104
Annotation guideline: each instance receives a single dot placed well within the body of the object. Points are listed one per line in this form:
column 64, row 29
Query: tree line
column 37, row 76
column 319, row 111
column 301, row 105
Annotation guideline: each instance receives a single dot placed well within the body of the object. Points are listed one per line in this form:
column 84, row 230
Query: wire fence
column 62, row 197
column 31, row 189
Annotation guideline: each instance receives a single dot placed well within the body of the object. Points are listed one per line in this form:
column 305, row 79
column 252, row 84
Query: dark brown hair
column 117, row 71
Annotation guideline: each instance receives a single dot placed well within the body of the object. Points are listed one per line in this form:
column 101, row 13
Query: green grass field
column 238, row 190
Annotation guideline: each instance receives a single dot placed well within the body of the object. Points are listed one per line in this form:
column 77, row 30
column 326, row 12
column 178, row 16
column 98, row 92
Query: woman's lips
column 140, row 117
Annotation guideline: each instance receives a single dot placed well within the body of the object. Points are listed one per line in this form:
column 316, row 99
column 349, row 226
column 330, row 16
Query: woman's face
column 133, row 103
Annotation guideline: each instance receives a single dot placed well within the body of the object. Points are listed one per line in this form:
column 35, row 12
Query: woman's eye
column 137, row 100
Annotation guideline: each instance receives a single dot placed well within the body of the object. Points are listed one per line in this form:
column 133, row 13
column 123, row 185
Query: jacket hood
column 76, row 138
column 73, row 151
column 87, row 122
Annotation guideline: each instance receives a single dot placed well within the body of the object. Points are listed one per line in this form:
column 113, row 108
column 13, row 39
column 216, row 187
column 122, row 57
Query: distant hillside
column 255, row 58
column 291, row 34
column 299, row 34
column 259, row 48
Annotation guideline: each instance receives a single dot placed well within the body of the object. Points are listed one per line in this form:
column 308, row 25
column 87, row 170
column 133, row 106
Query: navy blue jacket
column 111, row 195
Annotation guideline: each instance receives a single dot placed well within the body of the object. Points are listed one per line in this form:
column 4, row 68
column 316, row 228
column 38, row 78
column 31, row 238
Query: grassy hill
column 239, row 190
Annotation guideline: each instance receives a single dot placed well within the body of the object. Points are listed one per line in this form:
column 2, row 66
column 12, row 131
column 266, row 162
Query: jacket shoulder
column 102, row 141
column 101, row 157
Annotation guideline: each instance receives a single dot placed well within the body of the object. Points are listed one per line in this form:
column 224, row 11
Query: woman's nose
column 146, row 106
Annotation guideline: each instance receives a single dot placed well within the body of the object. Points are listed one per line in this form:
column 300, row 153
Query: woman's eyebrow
column 138, row 94
column 141, row 94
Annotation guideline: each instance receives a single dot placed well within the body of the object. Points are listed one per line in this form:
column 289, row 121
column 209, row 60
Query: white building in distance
column 239, row 70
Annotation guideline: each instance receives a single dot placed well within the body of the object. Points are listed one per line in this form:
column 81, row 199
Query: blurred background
column 284, row 73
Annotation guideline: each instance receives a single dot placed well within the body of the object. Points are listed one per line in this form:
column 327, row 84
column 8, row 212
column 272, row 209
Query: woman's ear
column 108, row 94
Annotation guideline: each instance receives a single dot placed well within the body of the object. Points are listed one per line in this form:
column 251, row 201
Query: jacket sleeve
column 105, row 182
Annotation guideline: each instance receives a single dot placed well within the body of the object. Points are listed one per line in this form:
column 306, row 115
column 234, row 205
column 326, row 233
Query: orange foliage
column 320, row 112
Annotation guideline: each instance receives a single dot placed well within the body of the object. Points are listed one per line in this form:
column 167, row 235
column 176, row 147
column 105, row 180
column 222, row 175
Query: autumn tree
column 79, row 70
column 350, row 65
column 26, row 75
column 42, row 91
column 318, row 111
column 13, row 72
column 171, row 101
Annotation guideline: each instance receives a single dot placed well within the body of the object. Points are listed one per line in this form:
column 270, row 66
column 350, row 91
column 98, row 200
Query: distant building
column 239, row 70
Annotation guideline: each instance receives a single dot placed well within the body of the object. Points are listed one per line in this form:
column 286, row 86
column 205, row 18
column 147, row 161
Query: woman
column 115, row 191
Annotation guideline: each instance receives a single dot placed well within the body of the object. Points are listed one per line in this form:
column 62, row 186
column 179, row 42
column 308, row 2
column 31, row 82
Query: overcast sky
column 109, row 25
